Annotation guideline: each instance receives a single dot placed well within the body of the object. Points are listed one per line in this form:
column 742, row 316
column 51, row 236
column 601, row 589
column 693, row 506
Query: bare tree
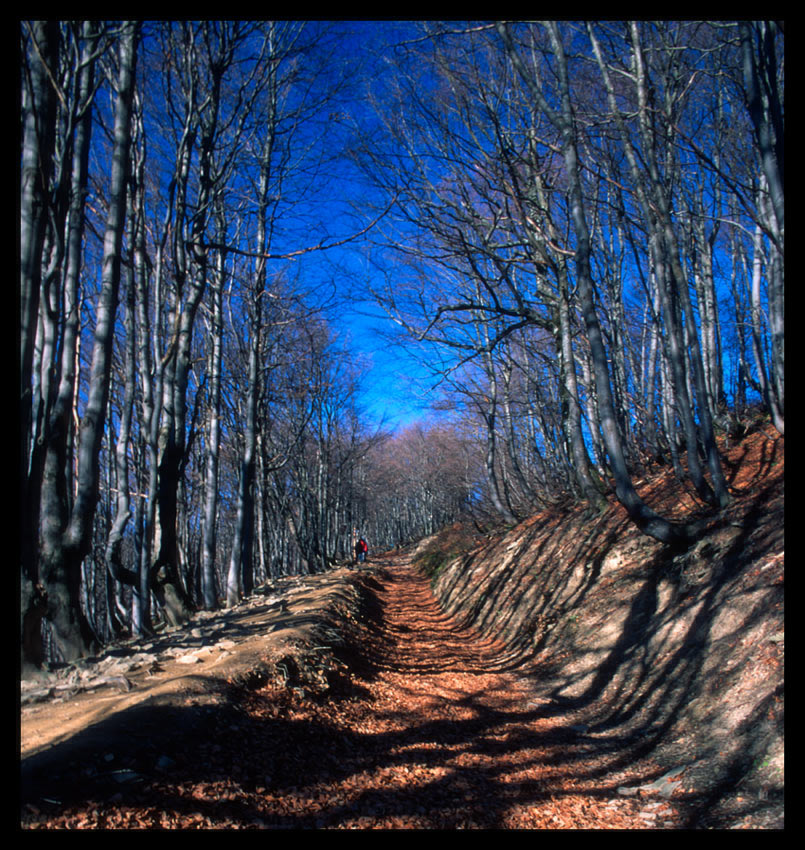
column 765, row 105
column 67, row 530
column 562, row 117
column 202, row 57
column 39, row 48
column 216, row 331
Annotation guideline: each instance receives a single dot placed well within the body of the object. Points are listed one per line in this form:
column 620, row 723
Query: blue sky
column 396, row 387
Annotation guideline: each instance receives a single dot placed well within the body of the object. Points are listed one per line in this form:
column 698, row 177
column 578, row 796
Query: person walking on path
column 361, row 550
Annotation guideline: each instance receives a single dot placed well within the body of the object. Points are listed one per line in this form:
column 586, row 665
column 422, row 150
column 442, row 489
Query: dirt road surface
column 427, row 727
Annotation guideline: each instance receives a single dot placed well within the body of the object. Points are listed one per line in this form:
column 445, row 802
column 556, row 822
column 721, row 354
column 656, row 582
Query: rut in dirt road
column 457, row 738
column 443, row 736
column 436, row 732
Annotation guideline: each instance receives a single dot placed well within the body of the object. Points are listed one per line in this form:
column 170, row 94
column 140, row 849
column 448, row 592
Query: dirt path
column 437, row 731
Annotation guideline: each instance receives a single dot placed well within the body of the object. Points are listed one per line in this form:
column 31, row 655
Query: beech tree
column 40, row 46
column 577, row 227
column 762, row 77
column 110, row 514
column 534, row 194
column 66, row 524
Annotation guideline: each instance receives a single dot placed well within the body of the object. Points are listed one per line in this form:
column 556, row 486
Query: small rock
column 123, row 776
column 176, row 652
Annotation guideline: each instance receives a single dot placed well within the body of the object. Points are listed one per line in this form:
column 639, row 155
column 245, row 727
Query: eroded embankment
column 85, row 725
column 678, row 656
column 430, row 727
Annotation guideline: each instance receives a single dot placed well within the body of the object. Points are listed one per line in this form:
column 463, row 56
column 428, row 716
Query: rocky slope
column 673, row 657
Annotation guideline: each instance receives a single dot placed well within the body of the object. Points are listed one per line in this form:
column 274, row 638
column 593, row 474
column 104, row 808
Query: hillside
column 676, row 658
column 573, row 675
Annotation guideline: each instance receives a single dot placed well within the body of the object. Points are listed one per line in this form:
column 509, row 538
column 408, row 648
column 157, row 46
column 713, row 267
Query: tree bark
column 764, row 104
column 572, row 420
column 208, row 581
column 38, row 138
column 66, row 542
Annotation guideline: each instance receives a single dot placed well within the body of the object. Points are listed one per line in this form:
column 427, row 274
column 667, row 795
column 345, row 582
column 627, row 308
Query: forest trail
column 438, row 730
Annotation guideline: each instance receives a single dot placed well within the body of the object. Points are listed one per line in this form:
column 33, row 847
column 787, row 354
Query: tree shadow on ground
column 235, row 763
column 233, row 767
column 659, row 689
column 238, row 764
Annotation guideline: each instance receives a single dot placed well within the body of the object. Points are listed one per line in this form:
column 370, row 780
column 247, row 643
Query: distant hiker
column 361, row 549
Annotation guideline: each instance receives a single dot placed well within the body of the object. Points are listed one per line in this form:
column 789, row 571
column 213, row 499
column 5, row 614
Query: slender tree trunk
column 764, row 104
column 208, row 583
column 241, row 569
column 141, row 331
column 38, row 136
column 240, row 580
column 512, row 443
column 498, row 499
column 719, row 494
column 709, row 320
column 650, row 384
column 775, row 386
column 66, row 543
column 756, row 313
column 675, row 356
column 648, row 521
column 114, row 542
column 777, row 324
column 167, row 579
column 489, row 409
column 572, row 421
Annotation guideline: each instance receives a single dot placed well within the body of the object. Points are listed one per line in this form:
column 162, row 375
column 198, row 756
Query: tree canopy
column 576, row 229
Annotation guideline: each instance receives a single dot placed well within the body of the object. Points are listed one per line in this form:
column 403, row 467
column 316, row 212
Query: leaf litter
column 390, row 714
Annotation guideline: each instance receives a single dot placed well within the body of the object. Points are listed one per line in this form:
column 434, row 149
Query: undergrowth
column 432, row 563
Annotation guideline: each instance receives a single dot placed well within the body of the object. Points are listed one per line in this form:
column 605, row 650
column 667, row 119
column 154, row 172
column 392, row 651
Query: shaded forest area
column 577, row 227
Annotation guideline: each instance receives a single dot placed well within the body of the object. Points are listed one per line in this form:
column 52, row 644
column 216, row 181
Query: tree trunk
column 66, row 543
column 572, row 420
column 123, row 514
column 241, row 569
column 766, row 110
column 208, row 584
column 645, row 519
column 675, row 357
column 38, row 136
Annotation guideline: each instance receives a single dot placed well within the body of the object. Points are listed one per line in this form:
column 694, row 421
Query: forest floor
column 349, row 700
column 433, row 731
